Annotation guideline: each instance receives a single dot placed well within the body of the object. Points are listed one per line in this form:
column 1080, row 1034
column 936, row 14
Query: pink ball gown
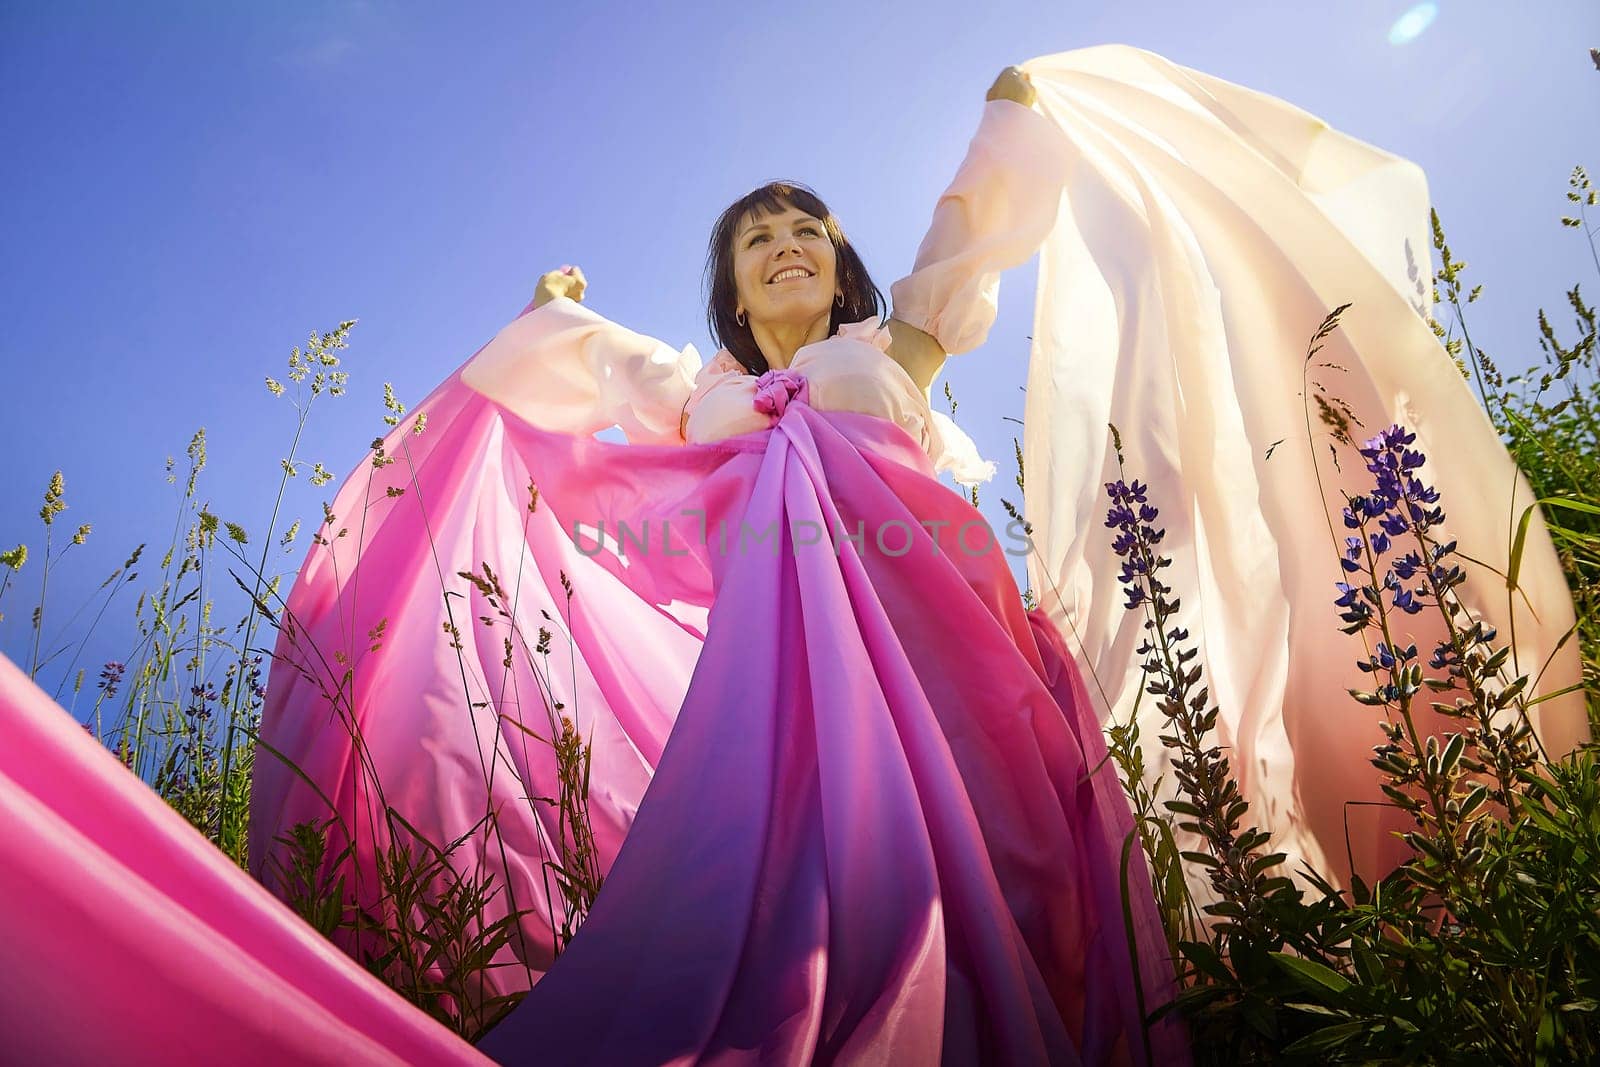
column 851, row 802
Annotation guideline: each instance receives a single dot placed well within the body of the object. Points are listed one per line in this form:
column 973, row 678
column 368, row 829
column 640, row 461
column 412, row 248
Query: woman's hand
column 568, row 282
column 1013, row 84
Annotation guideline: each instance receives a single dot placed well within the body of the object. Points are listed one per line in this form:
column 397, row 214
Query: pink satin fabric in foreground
column 129, row 939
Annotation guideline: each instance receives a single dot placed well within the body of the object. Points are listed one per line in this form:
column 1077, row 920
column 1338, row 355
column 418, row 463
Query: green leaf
column 1570, row 504
column 1207, row 960
column 1309, row 975
column 1517, row 545
column 1259, row 1014
column 1368, row 966
column 1329, row 1037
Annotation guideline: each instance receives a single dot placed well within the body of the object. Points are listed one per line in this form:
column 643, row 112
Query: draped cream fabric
column 1205, row 232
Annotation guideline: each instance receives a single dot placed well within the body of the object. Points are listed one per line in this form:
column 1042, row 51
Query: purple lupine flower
column 1351, row 560
column 204, row 696
column 252, row 678
column 111, row 677
column 1136, row 537
column 1399, row 503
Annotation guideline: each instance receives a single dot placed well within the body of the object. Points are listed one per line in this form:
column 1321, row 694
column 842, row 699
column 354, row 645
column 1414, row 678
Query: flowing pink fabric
column 1206, row 231
column 876, row 821
column 129, row 939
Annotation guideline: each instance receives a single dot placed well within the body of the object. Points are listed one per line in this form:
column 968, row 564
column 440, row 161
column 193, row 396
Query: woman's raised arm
column 994, row 215
column 563, row 367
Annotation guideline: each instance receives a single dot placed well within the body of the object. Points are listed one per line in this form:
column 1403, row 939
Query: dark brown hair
column 862, row 299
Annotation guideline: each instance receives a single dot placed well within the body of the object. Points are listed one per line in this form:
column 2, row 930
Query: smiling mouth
column 789, row 274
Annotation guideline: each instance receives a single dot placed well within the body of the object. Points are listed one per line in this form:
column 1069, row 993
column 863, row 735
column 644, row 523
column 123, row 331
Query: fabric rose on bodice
column 777, row 388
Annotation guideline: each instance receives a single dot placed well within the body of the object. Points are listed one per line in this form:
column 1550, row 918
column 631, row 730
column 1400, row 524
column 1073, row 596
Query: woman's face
column 784, row 268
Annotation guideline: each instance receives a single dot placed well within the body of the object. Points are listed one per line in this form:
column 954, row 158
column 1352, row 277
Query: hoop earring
column 739, row 318
column 839, row 300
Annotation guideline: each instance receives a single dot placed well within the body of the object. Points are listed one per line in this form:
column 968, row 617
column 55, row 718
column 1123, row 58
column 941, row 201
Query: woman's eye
column 804, row 231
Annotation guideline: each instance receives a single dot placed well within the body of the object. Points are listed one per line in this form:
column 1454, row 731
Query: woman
column 849, row 800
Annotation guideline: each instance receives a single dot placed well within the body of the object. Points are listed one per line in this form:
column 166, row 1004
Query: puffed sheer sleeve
column 563, row 367
column 996, row 212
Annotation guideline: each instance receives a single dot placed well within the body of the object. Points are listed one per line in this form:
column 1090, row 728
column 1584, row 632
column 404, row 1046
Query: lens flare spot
column 1409, row 26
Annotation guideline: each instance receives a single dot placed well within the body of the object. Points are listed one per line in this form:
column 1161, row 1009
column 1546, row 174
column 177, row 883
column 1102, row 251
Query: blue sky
column 191, row 188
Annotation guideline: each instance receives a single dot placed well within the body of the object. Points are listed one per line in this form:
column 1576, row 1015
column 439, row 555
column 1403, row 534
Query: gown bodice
column 850, row 371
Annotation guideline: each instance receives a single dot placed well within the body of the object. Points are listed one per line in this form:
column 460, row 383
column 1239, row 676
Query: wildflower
column 1211, row 805
column 253, row 679
column 14, row 558
column 1351, row 560
column 1400, row 502
column 204, row 696
column 111, row 677
column 1136, row 537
